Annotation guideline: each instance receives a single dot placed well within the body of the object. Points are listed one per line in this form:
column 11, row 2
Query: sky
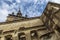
column 32, row 8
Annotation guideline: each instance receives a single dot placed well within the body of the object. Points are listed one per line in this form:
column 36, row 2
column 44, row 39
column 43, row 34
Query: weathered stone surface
column 44, row 27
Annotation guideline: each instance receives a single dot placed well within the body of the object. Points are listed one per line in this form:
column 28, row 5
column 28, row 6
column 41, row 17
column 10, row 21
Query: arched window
column 21, row 36
column 8, row 37
column 34, row 35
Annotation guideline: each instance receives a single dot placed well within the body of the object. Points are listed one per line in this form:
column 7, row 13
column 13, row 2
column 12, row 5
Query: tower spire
column 19, row 10
column 19, row 14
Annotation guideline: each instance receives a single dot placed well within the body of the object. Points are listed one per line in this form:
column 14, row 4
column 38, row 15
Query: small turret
column 11, row 14
column 26, row 15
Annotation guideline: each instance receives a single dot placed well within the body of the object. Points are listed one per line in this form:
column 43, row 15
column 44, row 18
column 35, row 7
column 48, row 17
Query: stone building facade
column 44, row 27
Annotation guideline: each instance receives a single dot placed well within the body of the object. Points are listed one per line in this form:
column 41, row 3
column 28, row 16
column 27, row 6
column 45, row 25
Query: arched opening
column 34, row 35
column 46, row 36
column 0, row 38
column 21, row 36
column 8, row 37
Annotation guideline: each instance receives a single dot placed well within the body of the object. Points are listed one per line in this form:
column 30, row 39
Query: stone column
column 15, row 36
column 38, row 35
column 28, row 36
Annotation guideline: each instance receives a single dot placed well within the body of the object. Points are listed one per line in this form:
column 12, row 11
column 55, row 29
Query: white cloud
column 35, row 1
column 5, row 8
column 56, row 1
column 3, row 14
column 10, row 0
column 3, row 11
column 18, row 1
